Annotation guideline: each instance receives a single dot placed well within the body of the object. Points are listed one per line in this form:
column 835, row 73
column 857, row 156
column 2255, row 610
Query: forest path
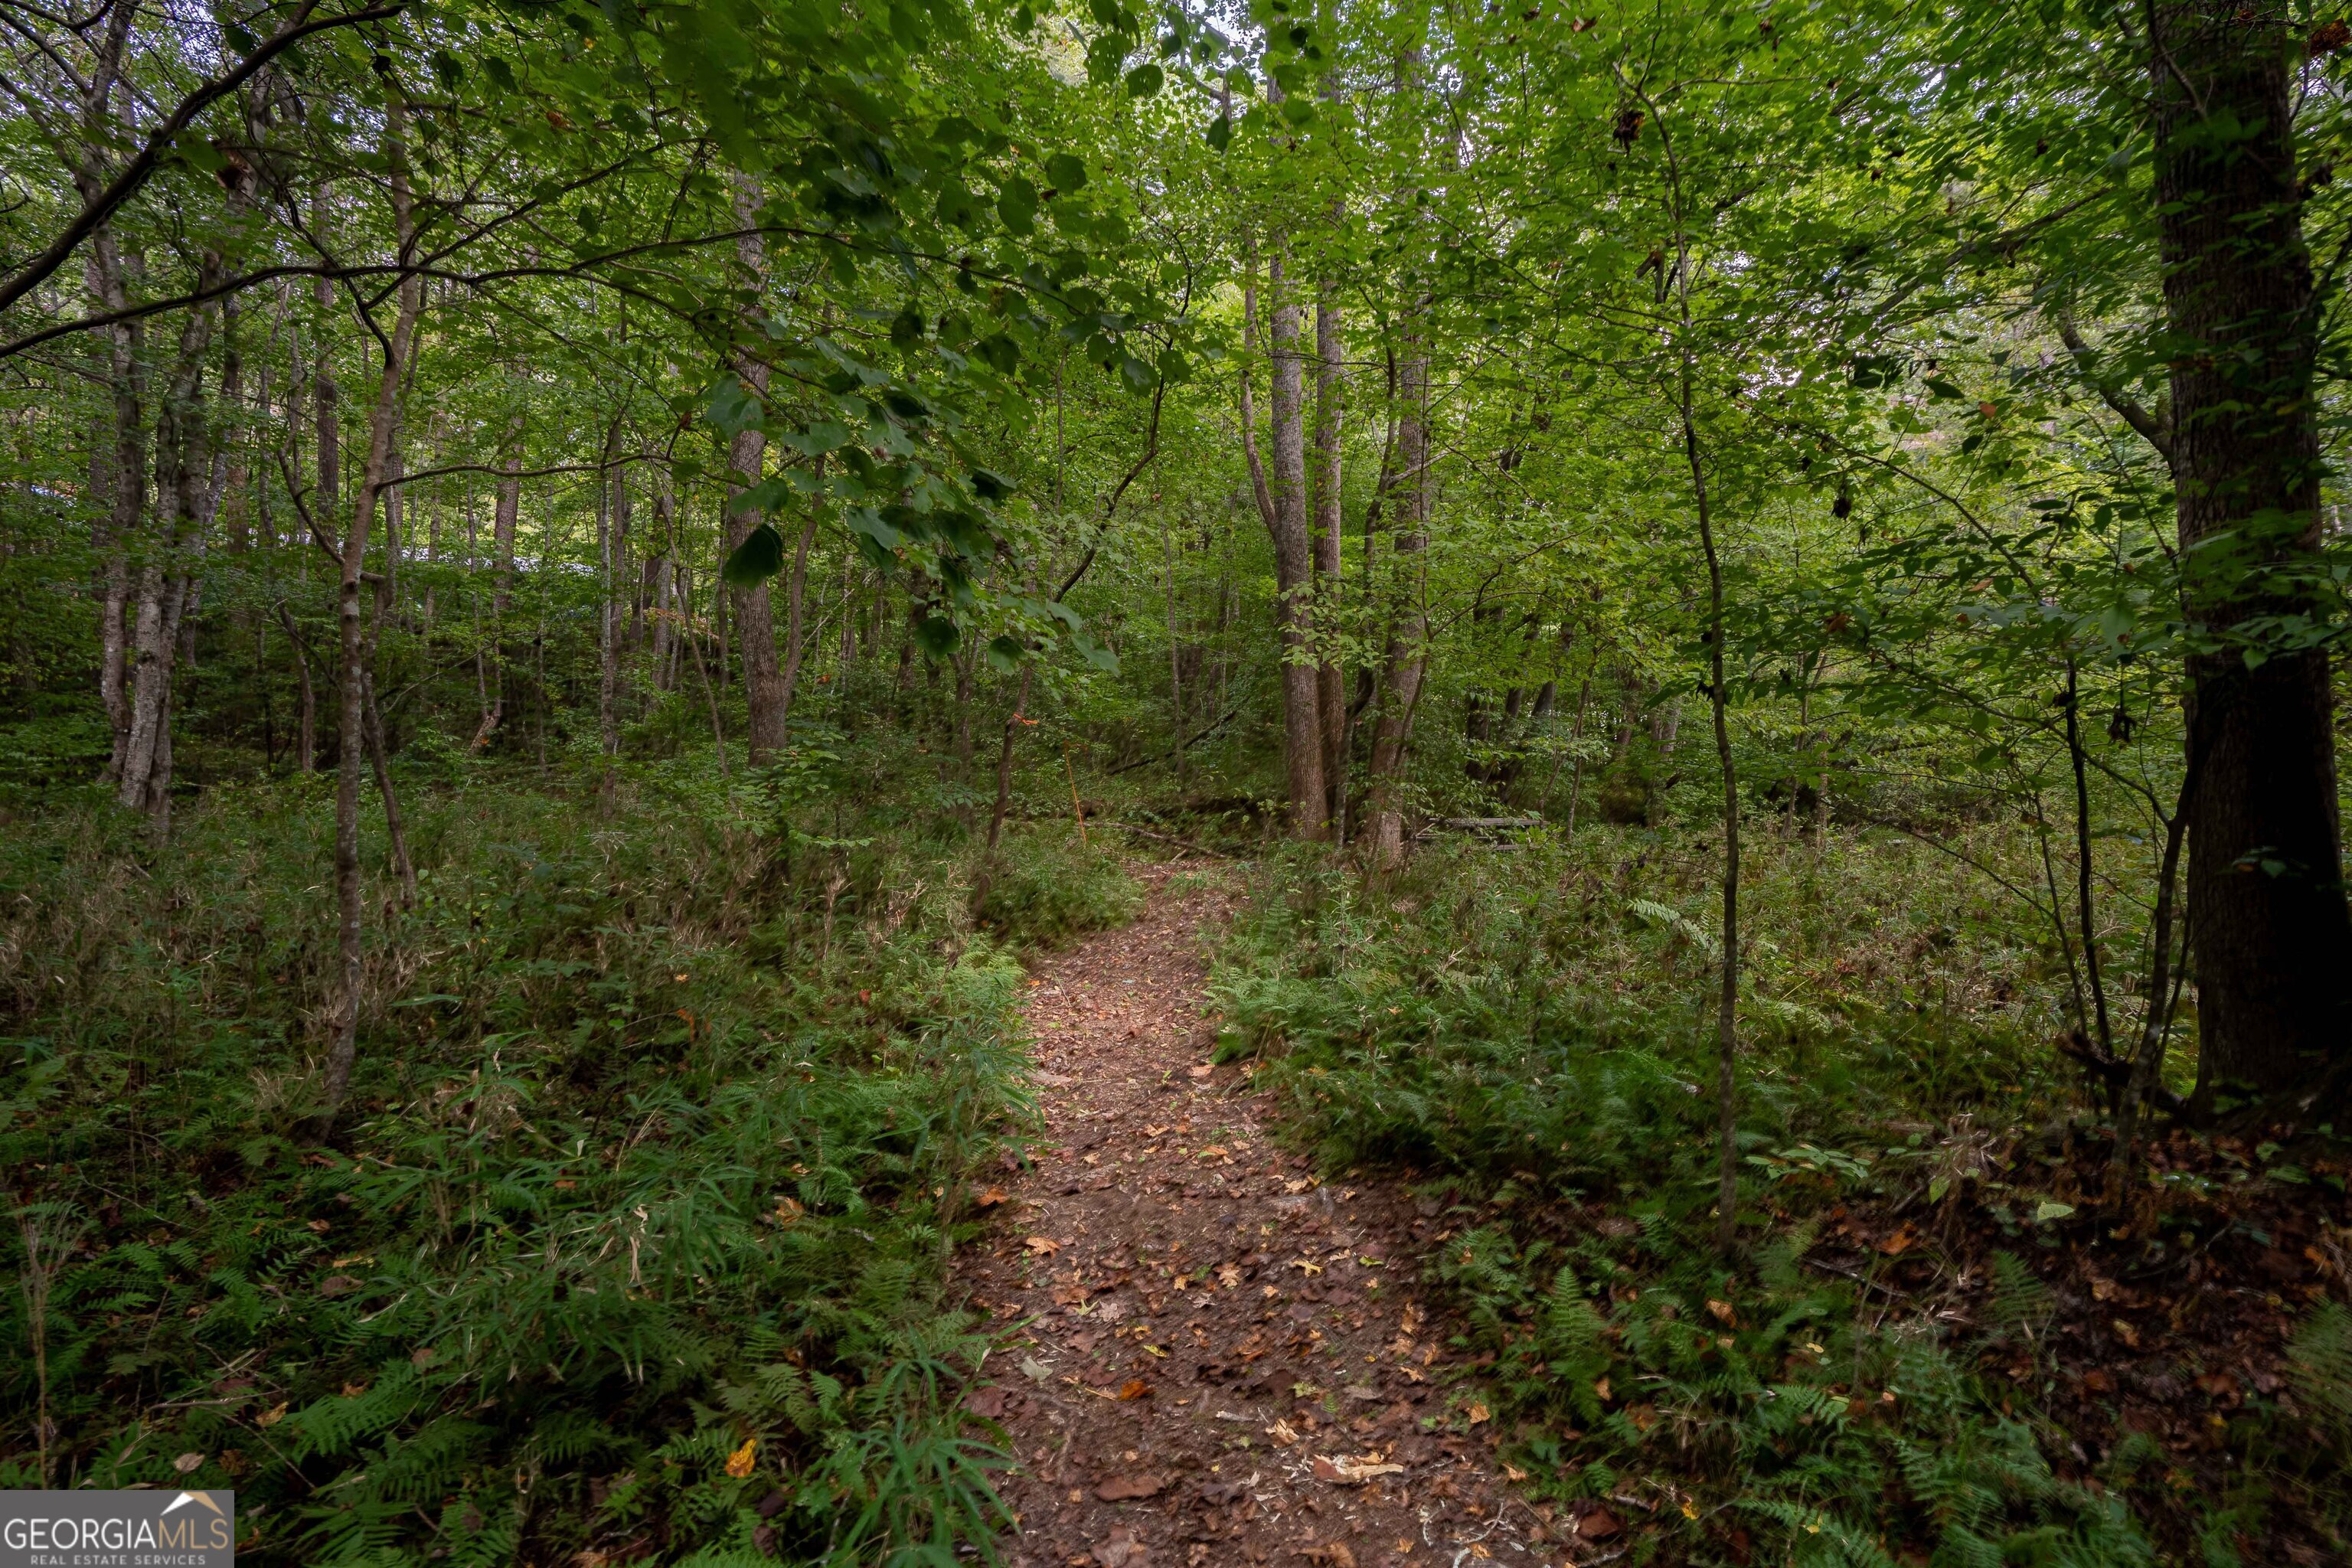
column 1210, row 1357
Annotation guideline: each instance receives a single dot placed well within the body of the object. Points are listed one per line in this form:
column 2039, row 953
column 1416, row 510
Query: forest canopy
column 569, row 568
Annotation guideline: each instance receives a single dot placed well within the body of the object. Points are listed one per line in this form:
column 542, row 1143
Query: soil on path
column 1210, row 1356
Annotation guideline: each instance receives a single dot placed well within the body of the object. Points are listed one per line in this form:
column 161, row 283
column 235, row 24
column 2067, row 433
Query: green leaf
column 1016, row 204
column 990, row 485
column 1220, row 132
column 2049, row 1209
column 906, row 329
column 937, row 636
column 759, row 557
column 1068, row 172
column 1145, row 80
column 1005, row 654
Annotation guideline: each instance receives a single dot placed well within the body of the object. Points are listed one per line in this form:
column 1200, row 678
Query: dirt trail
column 1210, row 1357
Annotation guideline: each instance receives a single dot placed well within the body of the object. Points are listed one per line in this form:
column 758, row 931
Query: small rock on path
column 1210, row 1357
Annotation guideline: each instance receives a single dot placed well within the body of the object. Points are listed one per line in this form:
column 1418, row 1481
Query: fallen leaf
column 1478, row 1412
column 1512, row 1472
column 2217, row 1385
column 1044, row 1246
column 1411, row 1322
column 422, row 1356
column 1643, row 1416
column 1120, row 1488
column 318, row 1227
column 1352, row 1472
column 1203, row 1070
column 988, row 1199
column 2098, row 1380
column 1598, row 1525
column 1213, row 1152
column 187, row 1461
column 335, row 1285
column 1724, row 1314
column 1899, row 1242
column 1228, row 1275
column 988, row 1403
column 1135, row 1388
column 1117, row 1550
column 2103, row 1289
column 1334, row 1553
column 2126, row 1333
column 272, row 1417
column 1282, row 1434
column 738, row 1463
column 1034, row 1370
column 1600, row 1390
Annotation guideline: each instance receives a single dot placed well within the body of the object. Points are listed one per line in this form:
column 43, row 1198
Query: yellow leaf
column 1479, row 1413
column 272, row 1417
column 738, row 1463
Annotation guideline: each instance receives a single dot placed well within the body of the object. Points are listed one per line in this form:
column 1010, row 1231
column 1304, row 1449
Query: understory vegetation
column 1923, row 1357
column 634, row 1243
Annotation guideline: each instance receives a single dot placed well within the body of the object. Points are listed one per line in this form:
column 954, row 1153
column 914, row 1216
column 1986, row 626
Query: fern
column 2319, row 1360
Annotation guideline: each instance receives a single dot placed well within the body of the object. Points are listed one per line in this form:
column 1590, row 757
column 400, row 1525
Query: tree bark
column 343, row 1049
column 764, row 692
column 1403, row 663
column 2265, row 905
column 1282, row 501
column 1331, row 696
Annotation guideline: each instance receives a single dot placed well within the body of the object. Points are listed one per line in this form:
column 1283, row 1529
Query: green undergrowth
column 1051, row 890
column 631, row 1243
column 1529, row 1034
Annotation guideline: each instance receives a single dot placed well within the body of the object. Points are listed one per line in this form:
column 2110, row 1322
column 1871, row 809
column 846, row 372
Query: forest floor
column 1211, row 1356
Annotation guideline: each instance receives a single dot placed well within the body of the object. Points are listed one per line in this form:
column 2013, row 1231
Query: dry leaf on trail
column 1334, row 1553
column 1228, row 1275
column 1411, row 1322
column 1723, row 1313
column 988, row 1199
column 1899, row 1242
column 1052, row 1080
column 1282, row 1432
column 738, row 1463
column 1121, row 1488
column 1135, row 1388
column 1044, row 1246
column 1352, row 1472
column 1203, row 1070
column 1034, row 1370
column 1598, row 1525
column 272, row 1417
column 1213, row 1152
column 1513, row 1473
column 1643, row 1416
column 985, row 1402
column 187, row 1462
column 1118, row 1549
column 1600, row 1390
column 1478, row 1412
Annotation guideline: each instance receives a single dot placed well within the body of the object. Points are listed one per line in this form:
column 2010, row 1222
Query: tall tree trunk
column 1403, row 664
column 611, row 497
column 1282, row 502
column 184, row 494
column 2265, row 905
column 1331, row 696
column 342, row 1051
column 506, row 513
column 755, row 626
column 306, row 742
